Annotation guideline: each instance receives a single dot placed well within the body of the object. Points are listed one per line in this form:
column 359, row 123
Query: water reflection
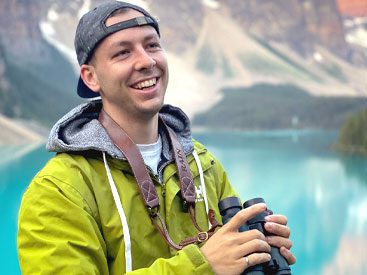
column 323, row 193
column 18, row 165
column 350, row 257
column 12, row 153
column 355, row 167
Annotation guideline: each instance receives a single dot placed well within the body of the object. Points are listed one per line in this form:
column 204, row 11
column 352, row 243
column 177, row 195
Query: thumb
column 244, row 215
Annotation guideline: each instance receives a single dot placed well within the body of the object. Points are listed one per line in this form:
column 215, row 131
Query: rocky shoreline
column 16, row 132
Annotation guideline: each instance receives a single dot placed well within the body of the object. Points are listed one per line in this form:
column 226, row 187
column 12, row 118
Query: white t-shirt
column 151, row 154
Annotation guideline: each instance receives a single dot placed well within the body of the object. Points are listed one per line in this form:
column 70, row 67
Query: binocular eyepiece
column 277, row 264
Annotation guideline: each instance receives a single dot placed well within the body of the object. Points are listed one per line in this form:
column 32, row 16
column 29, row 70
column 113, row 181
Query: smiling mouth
column 146, row 84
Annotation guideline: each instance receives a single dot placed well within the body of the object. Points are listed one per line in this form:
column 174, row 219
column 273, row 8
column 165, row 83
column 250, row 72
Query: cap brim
column 84, row 91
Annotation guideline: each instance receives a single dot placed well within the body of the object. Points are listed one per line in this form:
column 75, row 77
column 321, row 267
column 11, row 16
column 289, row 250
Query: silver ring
column 247, row 261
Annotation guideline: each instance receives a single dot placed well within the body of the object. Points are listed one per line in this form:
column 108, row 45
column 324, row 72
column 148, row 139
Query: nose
column 144, row 60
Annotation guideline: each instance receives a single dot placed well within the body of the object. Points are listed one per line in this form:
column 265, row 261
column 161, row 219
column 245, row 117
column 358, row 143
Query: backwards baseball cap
column 92, row 29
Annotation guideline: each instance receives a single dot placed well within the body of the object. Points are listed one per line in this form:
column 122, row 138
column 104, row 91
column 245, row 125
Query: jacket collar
column 80, row 131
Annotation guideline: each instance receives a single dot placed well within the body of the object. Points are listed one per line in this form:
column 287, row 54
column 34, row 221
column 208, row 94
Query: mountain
column 266, row 106
column 212, row 46
column 36, row 82
column 243, row 43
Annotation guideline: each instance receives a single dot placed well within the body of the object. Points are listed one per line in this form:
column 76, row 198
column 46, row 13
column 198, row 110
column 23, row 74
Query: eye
column 154, row 45
column 121, row 53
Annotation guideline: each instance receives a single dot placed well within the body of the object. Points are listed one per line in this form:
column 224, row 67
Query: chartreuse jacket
column 69, row 221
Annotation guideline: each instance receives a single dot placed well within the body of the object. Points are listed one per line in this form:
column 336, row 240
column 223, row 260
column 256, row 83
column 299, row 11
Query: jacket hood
column 79, row 130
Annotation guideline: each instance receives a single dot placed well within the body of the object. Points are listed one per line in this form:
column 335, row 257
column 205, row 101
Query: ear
column 89, row 76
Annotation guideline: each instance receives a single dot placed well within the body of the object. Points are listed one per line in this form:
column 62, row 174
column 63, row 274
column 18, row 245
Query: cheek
column 103, row 83
column 165, row 63
column 164, row 67
column 112, row 79
column 167, row 75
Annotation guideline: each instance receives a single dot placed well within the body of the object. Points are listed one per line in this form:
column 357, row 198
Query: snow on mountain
column 224, row 55
column 84, row 8
column 356, row 31
column 210, row 45
column 50, row 35
column 358, row 37
column 211, row 4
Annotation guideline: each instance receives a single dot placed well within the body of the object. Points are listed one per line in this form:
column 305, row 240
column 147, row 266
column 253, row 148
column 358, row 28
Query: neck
column 141, row 131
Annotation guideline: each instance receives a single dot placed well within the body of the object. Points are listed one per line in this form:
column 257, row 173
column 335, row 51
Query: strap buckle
column 153, row 211
column 186, row 205
column 202, row 237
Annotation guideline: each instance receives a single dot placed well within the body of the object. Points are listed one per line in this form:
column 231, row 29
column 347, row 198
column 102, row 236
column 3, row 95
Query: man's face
column 131, row 70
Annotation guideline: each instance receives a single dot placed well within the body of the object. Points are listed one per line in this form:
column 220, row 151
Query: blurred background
column 276, row 89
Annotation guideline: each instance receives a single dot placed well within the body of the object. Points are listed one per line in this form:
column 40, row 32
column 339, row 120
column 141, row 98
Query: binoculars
column 277, row 264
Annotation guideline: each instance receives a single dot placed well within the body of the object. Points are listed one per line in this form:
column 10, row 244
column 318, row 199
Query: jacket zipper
column 163, row 190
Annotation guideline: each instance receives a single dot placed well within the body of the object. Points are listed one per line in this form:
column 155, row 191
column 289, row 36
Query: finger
column 277, row 229
column 277, row 241
column 255, row 259
column 281, row 219
column 244, row 215
column 249, row 235
column 253, row 246
column 287, row 255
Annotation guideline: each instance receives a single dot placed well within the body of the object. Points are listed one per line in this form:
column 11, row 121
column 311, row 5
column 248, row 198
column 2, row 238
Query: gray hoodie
column 80, row 131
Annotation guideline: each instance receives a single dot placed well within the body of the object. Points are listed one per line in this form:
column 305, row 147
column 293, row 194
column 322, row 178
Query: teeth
column 145, row 84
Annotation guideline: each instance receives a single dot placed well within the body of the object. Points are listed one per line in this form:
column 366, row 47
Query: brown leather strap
column 186, row 181
column 203, row 236
column 145, row 183
column 200, row 238
column 192, row 213
column 187, row 187
column 162, row 229
column 133, row 156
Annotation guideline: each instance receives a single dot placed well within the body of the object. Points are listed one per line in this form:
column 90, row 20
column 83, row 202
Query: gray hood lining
column 79, row 130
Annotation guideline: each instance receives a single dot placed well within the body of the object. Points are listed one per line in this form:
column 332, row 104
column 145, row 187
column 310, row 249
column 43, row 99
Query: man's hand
column 277, row 226
column 227, row 250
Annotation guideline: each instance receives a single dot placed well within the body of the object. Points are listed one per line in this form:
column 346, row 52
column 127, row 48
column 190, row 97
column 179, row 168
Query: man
column 93, row 208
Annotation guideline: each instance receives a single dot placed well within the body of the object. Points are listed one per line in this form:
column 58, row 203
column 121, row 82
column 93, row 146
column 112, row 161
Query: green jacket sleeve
column 223, row 186
column 58, row 234
column 189, row 260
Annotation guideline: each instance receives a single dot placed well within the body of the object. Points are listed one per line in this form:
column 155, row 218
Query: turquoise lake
column 323, row 193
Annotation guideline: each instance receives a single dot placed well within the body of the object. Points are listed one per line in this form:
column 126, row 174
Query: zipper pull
column 163, row 190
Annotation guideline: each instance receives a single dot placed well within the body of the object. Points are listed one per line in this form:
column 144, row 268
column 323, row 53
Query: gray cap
column 92, row 30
